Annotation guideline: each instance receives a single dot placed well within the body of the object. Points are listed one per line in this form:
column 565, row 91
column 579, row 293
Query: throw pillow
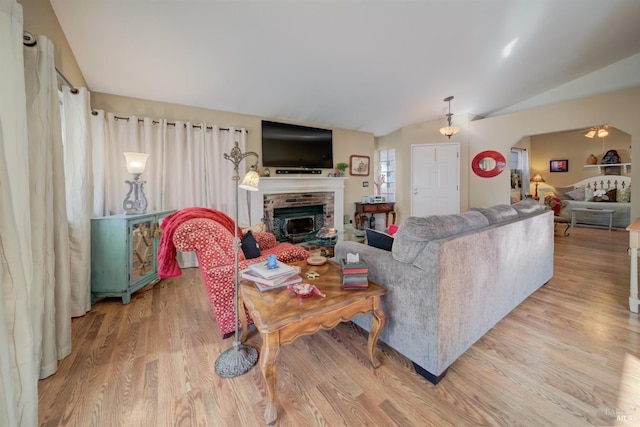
column 588, row 195
column 612, row 195
column 393, row 229
column 576, row 194
column 379, row 240
column 250, row 247
column 259, row 227
column 555, row 204
column 623, row 195
column 561, row 192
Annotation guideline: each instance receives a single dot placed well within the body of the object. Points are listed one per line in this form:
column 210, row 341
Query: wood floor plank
column 569, row 355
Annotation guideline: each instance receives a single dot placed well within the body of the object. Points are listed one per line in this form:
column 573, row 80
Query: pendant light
column 449, row 130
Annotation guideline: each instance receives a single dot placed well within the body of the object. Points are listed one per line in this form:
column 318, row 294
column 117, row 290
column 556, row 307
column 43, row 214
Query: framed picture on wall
column 559, row 165
column 359, row 165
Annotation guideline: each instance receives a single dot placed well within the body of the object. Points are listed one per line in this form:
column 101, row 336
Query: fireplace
column 297, row 191
column 293, row 224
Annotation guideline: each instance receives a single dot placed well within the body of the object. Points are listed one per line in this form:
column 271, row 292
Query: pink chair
column 213, row 245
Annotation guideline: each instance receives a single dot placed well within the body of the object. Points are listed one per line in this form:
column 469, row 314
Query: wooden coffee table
column 281, row 317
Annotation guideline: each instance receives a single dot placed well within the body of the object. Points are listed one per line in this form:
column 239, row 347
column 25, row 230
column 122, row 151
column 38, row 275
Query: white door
column 435, row 179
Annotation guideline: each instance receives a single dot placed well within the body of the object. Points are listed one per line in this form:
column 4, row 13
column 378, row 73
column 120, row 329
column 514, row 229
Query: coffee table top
column 274, row 309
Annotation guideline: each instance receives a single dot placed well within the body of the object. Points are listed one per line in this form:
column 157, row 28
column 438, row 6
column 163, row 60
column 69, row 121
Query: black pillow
column 250, row 247
column 379, row 240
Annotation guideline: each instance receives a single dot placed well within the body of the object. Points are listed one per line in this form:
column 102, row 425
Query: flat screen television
column 292, row 146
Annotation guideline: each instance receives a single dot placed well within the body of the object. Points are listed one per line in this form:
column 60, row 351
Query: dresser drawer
column 377, row 207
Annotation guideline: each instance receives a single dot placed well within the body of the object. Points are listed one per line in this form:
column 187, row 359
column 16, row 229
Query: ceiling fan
column 599, row 131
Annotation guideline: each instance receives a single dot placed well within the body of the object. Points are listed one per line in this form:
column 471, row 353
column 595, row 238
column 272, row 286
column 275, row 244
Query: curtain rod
column 64, row 79
column 155, row 122
column 29, row 40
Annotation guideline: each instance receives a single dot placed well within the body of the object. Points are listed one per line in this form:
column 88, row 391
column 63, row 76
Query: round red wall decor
column 480, row 158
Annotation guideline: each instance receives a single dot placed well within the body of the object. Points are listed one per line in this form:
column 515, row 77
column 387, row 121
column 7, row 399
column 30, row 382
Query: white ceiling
column 364, row 65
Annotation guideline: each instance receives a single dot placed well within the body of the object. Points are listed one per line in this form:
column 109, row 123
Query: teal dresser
column 124, row 254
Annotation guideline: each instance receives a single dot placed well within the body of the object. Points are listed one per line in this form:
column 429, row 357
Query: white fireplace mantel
column 299, row 184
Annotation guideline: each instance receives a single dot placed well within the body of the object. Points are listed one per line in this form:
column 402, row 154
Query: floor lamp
column 240, row 358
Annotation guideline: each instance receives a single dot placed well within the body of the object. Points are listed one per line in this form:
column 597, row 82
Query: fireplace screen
column 293, row 224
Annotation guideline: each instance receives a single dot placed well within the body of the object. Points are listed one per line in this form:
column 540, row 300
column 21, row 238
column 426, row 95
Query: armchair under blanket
column 212, row 241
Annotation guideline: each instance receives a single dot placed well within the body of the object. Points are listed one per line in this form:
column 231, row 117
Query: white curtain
column 185, row 168
column 51, row 297
column 78, row 158
column 35, row 320
column 19, row 363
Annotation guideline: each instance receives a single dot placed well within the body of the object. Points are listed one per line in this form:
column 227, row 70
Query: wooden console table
column 634, row 244
column 362, row 209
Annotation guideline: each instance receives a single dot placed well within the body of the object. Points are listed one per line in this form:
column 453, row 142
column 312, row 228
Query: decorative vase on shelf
column 592, row 160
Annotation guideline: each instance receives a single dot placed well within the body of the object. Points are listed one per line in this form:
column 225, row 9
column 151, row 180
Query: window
column 385, row 178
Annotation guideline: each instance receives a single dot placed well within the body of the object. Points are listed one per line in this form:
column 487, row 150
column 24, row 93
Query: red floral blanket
column 167, row 264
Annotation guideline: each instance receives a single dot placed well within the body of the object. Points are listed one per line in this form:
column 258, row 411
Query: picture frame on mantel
column 359, row 165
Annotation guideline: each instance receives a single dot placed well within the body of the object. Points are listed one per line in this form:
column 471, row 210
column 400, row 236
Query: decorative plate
column 305, row 290
column 316, row 260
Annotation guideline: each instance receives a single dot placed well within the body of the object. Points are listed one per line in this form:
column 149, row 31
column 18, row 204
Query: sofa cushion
column 416, row 232
column 527, row 207
column 250, row 246
column 498, row 213
column 379, row 240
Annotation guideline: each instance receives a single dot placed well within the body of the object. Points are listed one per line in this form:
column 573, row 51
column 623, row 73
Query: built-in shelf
column 625, row 166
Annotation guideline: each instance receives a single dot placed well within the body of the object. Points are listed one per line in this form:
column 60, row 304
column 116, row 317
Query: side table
column 362, row 209
column 280, row 318
column 634, row 244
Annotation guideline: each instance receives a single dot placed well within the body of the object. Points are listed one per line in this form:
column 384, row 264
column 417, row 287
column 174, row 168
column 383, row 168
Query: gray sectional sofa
column 451, row 278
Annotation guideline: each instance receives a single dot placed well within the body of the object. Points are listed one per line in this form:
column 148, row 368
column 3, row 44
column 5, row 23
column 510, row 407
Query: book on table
column 290, row 280
column 249, row 274
column 281, row 269
column 355, row 281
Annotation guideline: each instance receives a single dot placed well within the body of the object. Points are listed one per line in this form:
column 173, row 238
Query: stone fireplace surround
column 278, row 192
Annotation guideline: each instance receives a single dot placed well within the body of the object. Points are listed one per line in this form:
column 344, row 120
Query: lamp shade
column 602, row 132
column 448, row 131
column 250, row 181
column 537, row 178
column 136, row 162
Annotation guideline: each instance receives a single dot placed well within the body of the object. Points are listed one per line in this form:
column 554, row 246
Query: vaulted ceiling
column 365, row 65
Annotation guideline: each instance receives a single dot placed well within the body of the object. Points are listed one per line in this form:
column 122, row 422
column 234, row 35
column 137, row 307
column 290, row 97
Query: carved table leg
column 378, row 321
column 243, row 319
column 268, row 355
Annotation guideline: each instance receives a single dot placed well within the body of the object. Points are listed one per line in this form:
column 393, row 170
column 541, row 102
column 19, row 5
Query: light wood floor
column 567, row 356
